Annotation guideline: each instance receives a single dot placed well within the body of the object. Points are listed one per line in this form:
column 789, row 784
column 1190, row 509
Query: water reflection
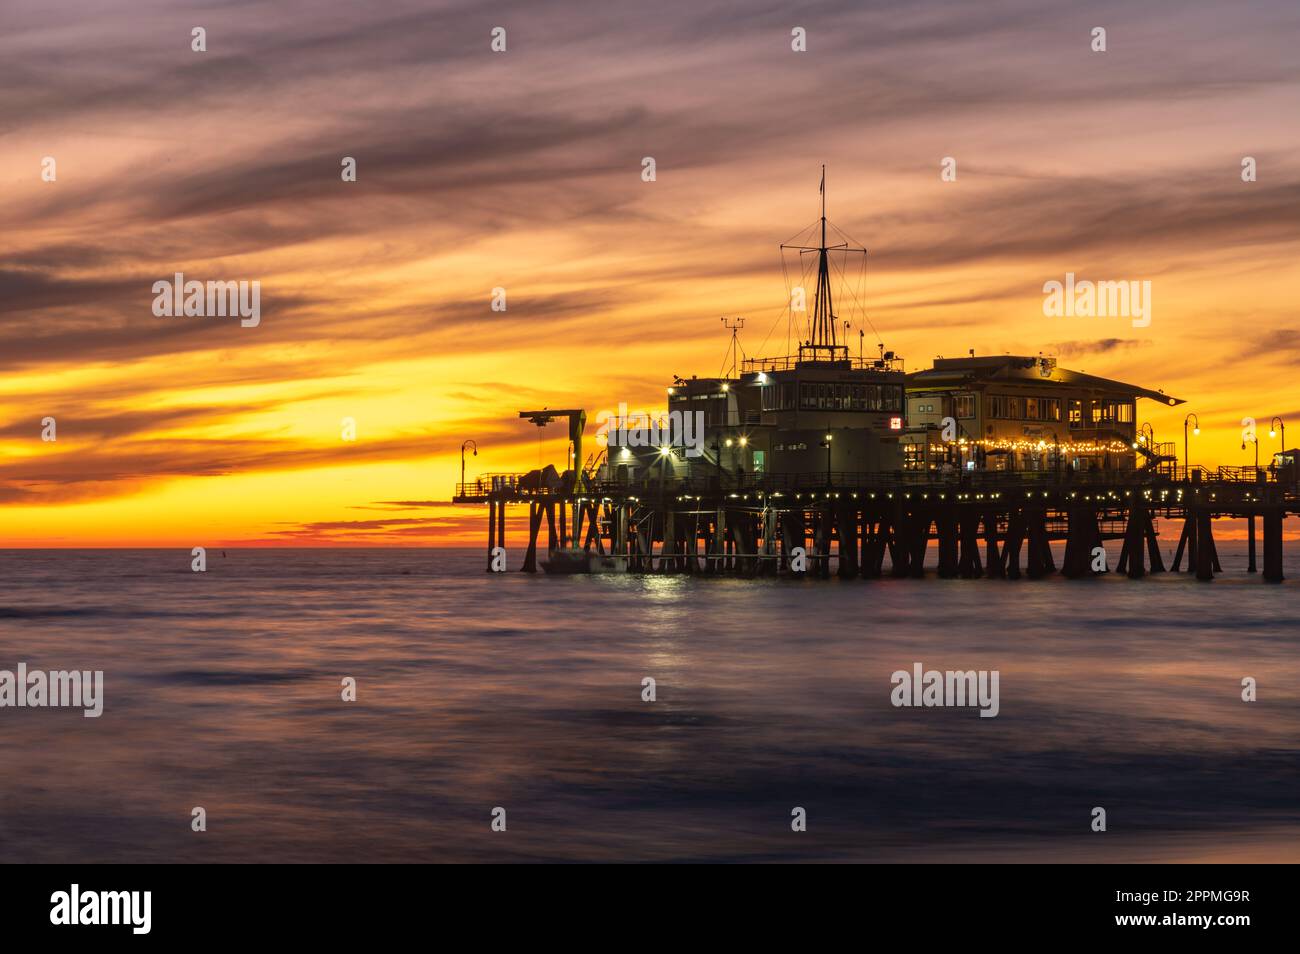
column 223, row 690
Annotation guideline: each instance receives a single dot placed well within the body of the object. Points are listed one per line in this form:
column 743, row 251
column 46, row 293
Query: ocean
column 475, row 691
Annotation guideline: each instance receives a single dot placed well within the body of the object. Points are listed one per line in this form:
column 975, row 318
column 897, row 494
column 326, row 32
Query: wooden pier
column 985, row 525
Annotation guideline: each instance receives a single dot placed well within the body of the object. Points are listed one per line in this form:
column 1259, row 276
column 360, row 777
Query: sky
column 522, row 170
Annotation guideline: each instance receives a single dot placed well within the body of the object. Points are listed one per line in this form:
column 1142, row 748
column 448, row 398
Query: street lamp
column 462, row 460
column 1280, row 425
column 1255, row 441
column 1146, row 438
column 1250, row 517
column 827, row 444
column 1187, row 459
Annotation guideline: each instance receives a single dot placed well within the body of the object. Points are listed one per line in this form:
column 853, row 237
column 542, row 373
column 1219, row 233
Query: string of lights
column 1073, row 447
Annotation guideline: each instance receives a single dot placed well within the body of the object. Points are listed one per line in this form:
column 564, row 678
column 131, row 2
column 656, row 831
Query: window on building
column 1042, row 409
column 1007, row 407
column 1113, row 412
column 963, row 405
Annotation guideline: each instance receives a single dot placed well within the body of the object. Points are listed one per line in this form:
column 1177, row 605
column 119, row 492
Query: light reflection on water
column 222, row 690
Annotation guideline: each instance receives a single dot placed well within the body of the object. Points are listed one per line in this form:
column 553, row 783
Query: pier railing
column 490, row 483
column 528, row 486
column 1250, row 475
column 792, row 361
column 850, row 481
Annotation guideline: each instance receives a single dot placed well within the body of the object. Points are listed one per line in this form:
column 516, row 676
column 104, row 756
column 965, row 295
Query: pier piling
column 1204, row 545
column 722, row 530
column 1250, row 543
column 1273, row 545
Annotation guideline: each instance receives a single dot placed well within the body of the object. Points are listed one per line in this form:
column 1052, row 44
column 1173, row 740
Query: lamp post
column 1279, row 424
column 665, row 467
column 827, row 444
column 1187, row 458
column 717, row 456
column 462, row 460
column 1146, row 437
column 1255, row 441
column 1250, row 517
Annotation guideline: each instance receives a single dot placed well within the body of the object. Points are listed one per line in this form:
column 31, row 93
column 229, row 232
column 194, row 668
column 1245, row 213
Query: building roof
column 1019, row 369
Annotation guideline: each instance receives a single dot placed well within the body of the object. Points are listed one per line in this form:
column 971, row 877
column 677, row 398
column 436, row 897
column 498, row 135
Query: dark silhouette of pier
column 992, row 458
column 872, row 524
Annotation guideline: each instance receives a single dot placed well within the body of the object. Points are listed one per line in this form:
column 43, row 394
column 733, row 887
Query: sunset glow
column 476, row 172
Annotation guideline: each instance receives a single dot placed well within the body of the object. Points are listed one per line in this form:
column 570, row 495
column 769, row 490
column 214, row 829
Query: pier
column 872, row 525
column 823, row 462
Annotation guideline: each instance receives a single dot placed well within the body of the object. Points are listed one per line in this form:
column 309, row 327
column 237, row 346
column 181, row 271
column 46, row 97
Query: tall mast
column 822, row 344
column 823, row 316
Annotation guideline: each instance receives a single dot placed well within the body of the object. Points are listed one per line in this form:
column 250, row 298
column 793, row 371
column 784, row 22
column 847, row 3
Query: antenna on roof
column 734, row 324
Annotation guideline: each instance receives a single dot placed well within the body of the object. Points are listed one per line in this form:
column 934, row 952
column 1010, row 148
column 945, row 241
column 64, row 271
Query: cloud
column 408, row 504
column 522, row 170
column 1074, row 349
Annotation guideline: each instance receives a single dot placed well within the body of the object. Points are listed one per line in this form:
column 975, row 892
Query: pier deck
column 849, row 523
